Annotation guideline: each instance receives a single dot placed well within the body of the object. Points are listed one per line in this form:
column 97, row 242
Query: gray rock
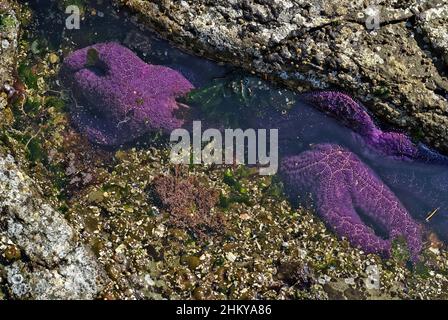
column 9, row 32
column 75, row 278
column 53, row 265
column 31, row 223
column 375, row 53
column 433, row 25
column 57, row 267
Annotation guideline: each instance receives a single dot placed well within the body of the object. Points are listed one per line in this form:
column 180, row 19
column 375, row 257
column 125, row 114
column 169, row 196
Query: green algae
column 27, row 75
column 238, row 194
column 400, row 252
column 7, row 21
column 247, row 95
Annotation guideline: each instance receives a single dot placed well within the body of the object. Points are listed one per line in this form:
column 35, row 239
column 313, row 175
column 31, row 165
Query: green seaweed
column 35, row 152
column 229, row 98
column 417, row 134
column 208, row 97
column 238, row 194
column 32, row 104
column 27, row 76
column 57, row 103
column 230, row 179
column 400, row 251
column 59, row 179
column 383, row 92
column 7, row 21
column 274, row 189
column 421, row 270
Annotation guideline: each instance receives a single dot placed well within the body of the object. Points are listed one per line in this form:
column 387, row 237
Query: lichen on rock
column 433, row 26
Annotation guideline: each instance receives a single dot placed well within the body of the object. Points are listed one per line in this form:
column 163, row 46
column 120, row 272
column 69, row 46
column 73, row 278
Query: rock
column 322, row 45
column 44, row 259
column 31, row 223
column 9, row 31
column 56, row 265
column 53, row 58
column 76, row 278
column 433, row 25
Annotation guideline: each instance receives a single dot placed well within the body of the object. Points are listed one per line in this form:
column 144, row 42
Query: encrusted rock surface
column 9, row 30
column 433, row 25
column 396, row 69
column 29, row 222
column 54, row 265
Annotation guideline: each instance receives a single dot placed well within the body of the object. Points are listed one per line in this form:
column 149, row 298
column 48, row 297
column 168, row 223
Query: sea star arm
column 344, row 187
column 342, row 107
column 355, row 116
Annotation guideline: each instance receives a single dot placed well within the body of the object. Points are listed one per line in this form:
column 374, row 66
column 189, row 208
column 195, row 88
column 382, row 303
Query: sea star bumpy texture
column 343, row 186
column 124, row 97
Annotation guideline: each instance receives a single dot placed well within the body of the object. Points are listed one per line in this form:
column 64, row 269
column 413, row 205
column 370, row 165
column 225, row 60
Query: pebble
column 350, row 281
column 230, row 256
column 149, row 280
column 53, row 58
column 5, row 44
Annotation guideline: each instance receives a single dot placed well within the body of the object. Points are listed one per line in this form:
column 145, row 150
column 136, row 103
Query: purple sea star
column 352, row 114
column 123, row 96
column 343, row 186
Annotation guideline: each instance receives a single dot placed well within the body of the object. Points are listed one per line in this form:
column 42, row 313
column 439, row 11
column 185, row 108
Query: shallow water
column 421, row 187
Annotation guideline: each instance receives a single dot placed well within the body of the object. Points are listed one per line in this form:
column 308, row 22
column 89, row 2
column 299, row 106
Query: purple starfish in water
column 343, row 188
column 122, row 97
column 352, row 114
column 125, row 98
